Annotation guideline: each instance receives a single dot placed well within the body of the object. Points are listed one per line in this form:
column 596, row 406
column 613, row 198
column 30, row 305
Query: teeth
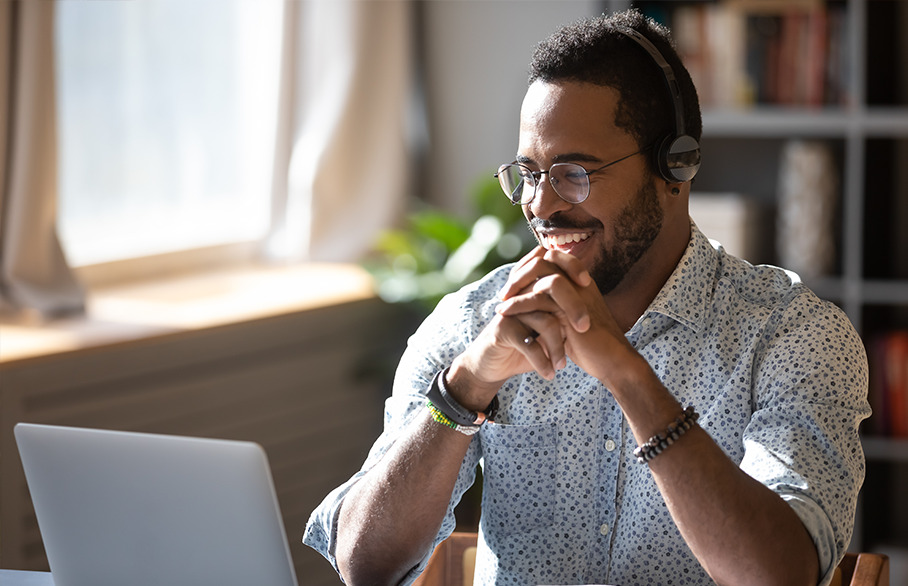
column 562, row 239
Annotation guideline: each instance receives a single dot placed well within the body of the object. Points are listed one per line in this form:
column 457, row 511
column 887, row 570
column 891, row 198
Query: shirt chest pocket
column 519, row 466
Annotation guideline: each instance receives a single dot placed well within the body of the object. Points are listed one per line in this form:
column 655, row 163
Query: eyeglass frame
column 537, row 177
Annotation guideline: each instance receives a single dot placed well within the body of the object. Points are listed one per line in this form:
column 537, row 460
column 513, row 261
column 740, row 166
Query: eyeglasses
column 569, row 180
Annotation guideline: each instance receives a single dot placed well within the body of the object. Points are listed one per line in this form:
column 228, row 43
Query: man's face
column 613, row 229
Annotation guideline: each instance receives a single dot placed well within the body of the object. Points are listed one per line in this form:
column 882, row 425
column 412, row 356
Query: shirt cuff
column 820, row 529
column 321, row 529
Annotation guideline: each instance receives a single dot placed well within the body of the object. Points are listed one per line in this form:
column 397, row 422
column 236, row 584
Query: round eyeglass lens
column 571, row 181
column 517, row 182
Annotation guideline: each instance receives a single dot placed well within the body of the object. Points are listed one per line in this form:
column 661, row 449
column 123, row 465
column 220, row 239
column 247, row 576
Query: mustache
column 558, row 222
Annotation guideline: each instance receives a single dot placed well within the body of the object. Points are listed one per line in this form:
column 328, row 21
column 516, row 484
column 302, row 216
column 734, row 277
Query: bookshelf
column 864, row 124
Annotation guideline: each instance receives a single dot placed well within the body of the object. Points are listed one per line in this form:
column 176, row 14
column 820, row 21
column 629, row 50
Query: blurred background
column 224, row 217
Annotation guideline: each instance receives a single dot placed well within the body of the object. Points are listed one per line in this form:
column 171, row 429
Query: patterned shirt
column 778, row 376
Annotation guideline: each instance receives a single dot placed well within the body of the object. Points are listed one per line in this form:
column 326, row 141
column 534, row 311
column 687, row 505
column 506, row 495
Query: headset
column 677, row 155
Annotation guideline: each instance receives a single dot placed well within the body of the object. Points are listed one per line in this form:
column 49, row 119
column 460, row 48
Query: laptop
column 136, row 509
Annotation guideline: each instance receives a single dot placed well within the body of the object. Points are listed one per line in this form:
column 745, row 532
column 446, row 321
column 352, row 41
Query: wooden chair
column 452, row 563
column 862, row 569
column 454, row 560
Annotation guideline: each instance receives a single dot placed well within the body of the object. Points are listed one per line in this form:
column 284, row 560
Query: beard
column 635, row 229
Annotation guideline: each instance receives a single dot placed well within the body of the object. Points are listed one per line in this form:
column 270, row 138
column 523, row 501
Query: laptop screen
column 121, row 508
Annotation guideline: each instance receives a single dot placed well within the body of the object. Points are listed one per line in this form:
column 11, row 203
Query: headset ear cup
column 678, row 158
column 662, row 158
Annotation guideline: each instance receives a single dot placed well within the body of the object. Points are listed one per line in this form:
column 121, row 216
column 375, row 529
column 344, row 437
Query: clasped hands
column 551, row 310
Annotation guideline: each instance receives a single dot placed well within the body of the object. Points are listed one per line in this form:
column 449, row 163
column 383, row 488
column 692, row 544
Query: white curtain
column 341, row 169
column 341, row 165
column 33, row 271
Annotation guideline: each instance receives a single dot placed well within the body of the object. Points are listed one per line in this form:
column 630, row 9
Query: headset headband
column 669, row 75
column 677, row 156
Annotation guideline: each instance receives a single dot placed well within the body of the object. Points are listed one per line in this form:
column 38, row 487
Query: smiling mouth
column 553, row 241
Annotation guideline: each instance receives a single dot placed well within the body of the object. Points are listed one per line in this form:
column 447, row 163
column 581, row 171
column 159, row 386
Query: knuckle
column 541, row 285
column 551, row 283
column 537, row 264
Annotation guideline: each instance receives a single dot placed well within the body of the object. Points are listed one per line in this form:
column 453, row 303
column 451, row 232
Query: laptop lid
column 136, row 509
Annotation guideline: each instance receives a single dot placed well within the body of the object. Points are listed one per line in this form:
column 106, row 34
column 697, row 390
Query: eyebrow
column 563, row 158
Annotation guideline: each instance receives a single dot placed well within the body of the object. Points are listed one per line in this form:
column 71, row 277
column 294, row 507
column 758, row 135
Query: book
column 771, row 53
column 878, row 422
column 895, row 364
column 887, row 355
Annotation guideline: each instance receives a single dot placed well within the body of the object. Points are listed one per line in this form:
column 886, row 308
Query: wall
column 475, row 56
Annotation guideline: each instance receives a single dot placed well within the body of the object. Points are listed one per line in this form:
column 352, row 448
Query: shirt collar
column 687, row 294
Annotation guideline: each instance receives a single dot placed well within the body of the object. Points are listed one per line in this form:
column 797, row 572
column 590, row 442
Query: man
column 587, row 354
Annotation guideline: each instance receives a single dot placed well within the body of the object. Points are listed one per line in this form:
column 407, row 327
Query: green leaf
column 437, row 252
column 450, row 231
column 491, row 201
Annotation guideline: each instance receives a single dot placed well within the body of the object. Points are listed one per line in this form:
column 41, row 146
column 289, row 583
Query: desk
column 17, row 578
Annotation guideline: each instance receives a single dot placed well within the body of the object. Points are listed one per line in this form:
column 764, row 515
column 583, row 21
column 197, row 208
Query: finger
column 543, row 343
column 554, row 295
column 524, row 273
column 571, row 266
column 567, row 299
column 530, row 338
column 541, row 263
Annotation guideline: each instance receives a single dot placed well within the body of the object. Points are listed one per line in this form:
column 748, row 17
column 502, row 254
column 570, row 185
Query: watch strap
column 443, row 401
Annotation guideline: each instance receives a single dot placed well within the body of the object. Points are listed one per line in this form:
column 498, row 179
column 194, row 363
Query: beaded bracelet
column 659, row 442
column 443, row 419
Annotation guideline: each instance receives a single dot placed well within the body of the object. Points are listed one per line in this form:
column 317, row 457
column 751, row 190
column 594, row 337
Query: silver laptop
column 133, row 509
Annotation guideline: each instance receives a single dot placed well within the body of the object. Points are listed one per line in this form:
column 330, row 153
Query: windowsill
column 140, row 311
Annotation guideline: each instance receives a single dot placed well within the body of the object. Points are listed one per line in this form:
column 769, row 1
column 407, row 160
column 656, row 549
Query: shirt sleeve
column 802, row 441
column 435, row 344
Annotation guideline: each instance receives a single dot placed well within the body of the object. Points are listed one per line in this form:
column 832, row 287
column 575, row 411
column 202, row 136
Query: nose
column 547, row 202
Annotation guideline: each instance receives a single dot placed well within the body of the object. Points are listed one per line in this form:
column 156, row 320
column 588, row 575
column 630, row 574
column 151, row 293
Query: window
column 166, row 124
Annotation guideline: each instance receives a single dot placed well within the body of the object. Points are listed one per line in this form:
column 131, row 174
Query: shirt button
column 603, row 529
column 610, row 445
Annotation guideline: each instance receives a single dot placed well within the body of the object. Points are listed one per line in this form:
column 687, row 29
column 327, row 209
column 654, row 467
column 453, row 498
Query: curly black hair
column 593, row 50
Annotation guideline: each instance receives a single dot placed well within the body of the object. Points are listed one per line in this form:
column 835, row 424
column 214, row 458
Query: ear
column 672, row 190
column 674, row 196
